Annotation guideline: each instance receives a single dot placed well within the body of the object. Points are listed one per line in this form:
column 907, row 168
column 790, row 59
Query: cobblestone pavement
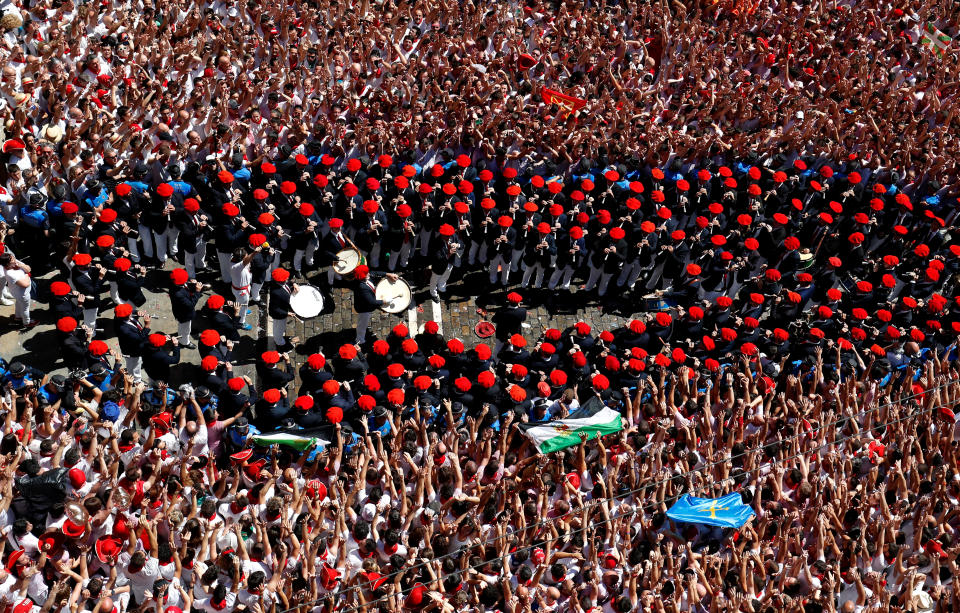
column 457, row 315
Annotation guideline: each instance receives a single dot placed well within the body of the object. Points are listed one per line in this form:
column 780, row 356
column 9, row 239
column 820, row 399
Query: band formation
column 713, row 250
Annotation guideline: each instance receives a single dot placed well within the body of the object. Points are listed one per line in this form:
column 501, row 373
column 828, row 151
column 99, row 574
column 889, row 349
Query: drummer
column 332, row 243
column 365, row 300
column 281, row 290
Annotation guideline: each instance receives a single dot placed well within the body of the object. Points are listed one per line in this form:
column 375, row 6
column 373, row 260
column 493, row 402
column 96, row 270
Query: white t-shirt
column 240, row 275
column 206, row 605
column 140, row 581
column 12, row 276
column 200, row 447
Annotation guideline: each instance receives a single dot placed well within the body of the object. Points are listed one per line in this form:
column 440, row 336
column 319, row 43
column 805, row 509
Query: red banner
column 568, row 103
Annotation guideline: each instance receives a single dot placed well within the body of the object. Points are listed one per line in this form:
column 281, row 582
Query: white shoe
column 6, row 301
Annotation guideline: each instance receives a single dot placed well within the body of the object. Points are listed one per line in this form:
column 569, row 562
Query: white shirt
column 12, row 276
column 240, row 275
column 140, row 581
column 200, row 447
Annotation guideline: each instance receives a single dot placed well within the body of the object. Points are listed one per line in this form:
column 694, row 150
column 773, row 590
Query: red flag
column 568, row 103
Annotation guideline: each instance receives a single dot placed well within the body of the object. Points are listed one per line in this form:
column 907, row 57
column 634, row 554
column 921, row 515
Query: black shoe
column 435, row 296
column 188, row 346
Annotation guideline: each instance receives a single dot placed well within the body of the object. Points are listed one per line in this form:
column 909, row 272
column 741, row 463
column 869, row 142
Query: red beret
column 215, row 301
column 366, row 402
column 486, row 379
column 335, row 414
column 209, row 338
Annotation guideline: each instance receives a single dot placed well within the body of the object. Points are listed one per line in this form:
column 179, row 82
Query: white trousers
column 21, row 307
column 631, row 272
column 241, row 298
column 363, row 322
column 597, row 274
column 300, row 254
column 195, row 261
column 146, row 235
column 401, row 256
column 536, row 271
column 424, row 242
column 166, row 242
column 225, row 263
column 279, row 331
column 438, row 283
column 183, row 331
column 133, row 249
column 331, row 275
column 499, row 261
column 90, row 320
column 374, row 256
column 515, row 259
column 564, row 275
column 133, row 365
column 477, row 253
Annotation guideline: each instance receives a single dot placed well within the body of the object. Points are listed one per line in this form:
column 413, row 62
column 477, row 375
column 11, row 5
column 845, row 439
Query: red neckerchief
column 236, row 508
column 219, row 606
column 391, row 549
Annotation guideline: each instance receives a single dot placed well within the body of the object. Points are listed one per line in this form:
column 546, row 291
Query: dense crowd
column 772, row 187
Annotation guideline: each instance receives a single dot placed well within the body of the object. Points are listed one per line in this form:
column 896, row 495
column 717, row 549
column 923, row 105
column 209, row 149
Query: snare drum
column 347, row 261
column 396, row 295
column 307, row 302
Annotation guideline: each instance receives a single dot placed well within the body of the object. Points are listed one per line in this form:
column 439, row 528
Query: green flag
column 558, row 434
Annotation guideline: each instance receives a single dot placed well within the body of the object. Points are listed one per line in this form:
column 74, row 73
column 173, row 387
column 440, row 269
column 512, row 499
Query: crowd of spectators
column 772, row 184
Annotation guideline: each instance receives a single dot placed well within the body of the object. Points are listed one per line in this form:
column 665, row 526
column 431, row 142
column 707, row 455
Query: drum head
column 347, row 260
column 397, row 294
column 307, row 302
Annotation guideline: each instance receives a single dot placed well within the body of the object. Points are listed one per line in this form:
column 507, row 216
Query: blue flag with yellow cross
column 726, row 512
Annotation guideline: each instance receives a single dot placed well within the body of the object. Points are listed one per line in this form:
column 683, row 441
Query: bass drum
column 396, row 295
column 307, row 302
column 347, row 261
